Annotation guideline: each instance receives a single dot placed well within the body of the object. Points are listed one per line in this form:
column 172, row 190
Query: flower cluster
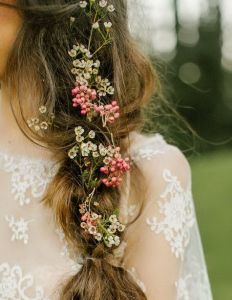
column 114, row 169
column 114, row 165
column 86, row 72
column 43, row 122
column 84, row 68
column 102, row 4
column 84, row 97
column 109, row 112
column 102, row 228
column 93, row 95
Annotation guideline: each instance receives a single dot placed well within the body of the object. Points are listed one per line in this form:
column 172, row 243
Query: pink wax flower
column 83, row 97
column 110, row 111
column 115, row 170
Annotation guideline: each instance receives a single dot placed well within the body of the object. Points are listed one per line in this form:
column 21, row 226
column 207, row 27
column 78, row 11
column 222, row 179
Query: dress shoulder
column 155, row 156
column 163, row 249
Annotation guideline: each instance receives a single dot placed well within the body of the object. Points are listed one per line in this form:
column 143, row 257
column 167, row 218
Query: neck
column 12, row 138
column 11, row 134
column 7, row 120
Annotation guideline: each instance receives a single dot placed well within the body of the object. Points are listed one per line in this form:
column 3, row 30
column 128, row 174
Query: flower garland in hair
column 89, row 97
column 42, row 123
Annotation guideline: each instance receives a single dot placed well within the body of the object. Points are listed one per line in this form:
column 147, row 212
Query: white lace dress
column 163, row 251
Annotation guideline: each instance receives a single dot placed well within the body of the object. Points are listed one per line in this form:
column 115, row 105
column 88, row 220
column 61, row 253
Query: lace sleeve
column 159, row 242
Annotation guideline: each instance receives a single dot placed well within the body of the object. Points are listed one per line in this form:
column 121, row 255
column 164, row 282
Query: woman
column 74, row 226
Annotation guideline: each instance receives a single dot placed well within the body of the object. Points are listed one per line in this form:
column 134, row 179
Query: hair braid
column 65, row 26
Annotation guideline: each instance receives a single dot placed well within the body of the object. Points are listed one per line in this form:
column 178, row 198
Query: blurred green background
column 192, row 42
column 207, row 105
column 212, row 189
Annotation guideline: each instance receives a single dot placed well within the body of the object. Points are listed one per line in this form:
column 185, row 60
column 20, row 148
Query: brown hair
column 39, row 64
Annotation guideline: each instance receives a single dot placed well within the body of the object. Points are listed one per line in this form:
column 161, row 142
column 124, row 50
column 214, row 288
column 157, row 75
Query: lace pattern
column 19, row 228
column 175, row 221
column 193, row 284
column 177, row 213
column 14, row 285
column 149, row 151
column 27, row 176
column 182, row 288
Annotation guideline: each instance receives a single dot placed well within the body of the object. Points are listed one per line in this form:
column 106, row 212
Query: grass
column 212, row 190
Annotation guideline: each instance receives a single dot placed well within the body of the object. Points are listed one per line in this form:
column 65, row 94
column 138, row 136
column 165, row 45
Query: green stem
column 103, row 228
column 104, row 38
column 103, row 45
column 91, row 196
column 91, row 32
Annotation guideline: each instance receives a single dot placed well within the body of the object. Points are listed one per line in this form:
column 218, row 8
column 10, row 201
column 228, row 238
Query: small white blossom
column 106, row 160
column 43, row 109
column 94, row 147
column 92, row 230
column 110, row 151
column 116, row 240
column 110, row 8
column 87, row 75
column 35, row 120
column 82, row 64
column 83, row 4
column 44, row 125
column 84, row 149
column 95, row 25
column 106, row 81
column 110, row 238
column 91, row 134
column 72, row 19
column 113, row 219
column 81, row 80
column 95, row 154
column 79, row 138
column 103, row 3
column 72, row 153
column 97, row 63
column 79, row 130
column 94, row 216
column 37, row 127
column 110, row 90
column 121, row 227
column 102, row 150
column 95, row 71
column 83, row 225
column 107, row 24
column 101, row 93
column 29, row 123
column 72, row 53
column 88, row 54
column 82, row 48
column 111, row 230
column 85, row 152
column 89, row 64
column 98, row 236
column 74, row 71
column 82, row 210
column 76, row 47
column 76, row 63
